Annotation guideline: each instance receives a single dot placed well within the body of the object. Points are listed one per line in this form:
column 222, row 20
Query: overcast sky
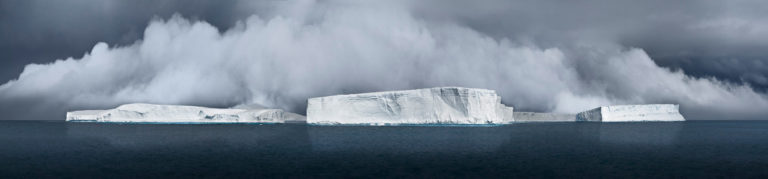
column 698, row 53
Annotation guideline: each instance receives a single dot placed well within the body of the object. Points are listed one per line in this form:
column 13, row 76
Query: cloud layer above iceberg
column 316, row 49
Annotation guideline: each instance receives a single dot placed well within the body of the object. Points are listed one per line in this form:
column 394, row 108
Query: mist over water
column 310, row 49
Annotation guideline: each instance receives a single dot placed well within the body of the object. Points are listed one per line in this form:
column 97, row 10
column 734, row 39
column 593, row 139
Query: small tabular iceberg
column 152, row 113
column 632, row 113
column 442, row 105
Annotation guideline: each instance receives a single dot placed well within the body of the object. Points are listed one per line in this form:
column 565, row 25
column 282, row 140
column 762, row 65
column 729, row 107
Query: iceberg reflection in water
column 408, row 139
column 661, row 134
column 550, row 150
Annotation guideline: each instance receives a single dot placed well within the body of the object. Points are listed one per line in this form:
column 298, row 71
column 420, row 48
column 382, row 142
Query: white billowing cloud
column 325, row 49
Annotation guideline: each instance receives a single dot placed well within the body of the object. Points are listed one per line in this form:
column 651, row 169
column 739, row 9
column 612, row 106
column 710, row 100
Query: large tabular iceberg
column 632, row 113
column 443, row 105
column 152, row 113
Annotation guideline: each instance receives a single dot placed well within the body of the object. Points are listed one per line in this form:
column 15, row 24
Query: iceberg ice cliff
column 441, row 105
column 429, row 106
column 632, row 113
column 152, row 113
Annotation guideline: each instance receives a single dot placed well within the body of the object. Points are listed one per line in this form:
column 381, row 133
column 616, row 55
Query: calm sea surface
column 707, row 149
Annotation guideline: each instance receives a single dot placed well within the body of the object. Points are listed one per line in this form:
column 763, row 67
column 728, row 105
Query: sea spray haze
column 309, row 49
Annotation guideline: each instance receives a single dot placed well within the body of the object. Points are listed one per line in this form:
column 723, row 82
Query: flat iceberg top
column 441, row 105
column 412, row 91
column 87, row 112
column 153, row 113
column 628, row 113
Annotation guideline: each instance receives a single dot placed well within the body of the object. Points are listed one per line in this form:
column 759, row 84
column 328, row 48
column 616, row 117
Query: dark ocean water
column 707, row 149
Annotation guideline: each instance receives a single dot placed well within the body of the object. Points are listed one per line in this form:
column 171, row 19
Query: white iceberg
column 152, row 113
column 442, row 105
column 632, row 113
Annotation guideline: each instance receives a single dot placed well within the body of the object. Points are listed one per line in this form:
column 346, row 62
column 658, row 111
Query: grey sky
column 40, row 31
column 723, row 41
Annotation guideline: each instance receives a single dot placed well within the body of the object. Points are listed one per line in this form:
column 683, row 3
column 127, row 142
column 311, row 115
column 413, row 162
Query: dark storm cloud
column 705, row 38
column 562, row 56
column 40, row 31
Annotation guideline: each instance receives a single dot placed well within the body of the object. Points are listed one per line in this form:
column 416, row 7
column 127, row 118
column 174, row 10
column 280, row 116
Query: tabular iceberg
column 442, row 105
column 631, row 113
column 152, row 113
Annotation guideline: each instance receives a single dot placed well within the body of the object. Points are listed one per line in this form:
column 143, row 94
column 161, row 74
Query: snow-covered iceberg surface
column 442, row 105
column 152, row 113
column 543, row 117
column 630, row 113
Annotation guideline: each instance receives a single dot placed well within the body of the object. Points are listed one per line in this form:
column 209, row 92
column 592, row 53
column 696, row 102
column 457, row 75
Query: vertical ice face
column 181, row 114
column 442, row 105
column 630, row 113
